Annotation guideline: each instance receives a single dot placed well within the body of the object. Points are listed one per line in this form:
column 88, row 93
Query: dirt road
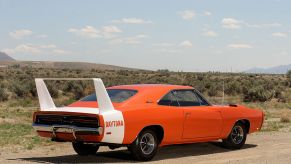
column 265, row 147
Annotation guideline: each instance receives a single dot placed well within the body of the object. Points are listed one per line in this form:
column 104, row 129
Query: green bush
column 19, row 90
column 286, row 96
column 258, row 93
column 212, row 91
column 76, row 88
column 3, row 94
column 233, row 88
column 53, row 91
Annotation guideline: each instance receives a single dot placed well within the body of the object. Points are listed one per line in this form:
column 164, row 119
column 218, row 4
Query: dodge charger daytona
column 142, row 117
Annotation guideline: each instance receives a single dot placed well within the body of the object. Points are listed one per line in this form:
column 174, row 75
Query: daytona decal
column 114, row 123
column 113, row 127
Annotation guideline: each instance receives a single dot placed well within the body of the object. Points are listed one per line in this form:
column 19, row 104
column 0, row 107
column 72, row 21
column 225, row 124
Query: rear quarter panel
column 232, row 114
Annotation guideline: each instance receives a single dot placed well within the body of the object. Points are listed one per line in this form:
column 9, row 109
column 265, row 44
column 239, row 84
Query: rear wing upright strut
column 47, row 104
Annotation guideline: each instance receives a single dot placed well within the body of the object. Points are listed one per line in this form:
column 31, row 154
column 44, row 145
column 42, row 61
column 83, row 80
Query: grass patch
column 18, row 114
column 22, row 135
column 14, row 133
column 16, row 129
column 272, row 126
column 22, row 103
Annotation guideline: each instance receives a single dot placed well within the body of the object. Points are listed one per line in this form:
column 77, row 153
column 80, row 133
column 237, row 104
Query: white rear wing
column 47, row 104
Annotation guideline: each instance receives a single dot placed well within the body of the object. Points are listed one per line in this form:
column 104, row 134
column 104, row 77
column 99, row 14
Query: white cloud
column 187, row 14
column 59, row 51
column 210, row 33
column 239, row 46
column 269, row 25
column 23, row 48
column 135, row 40
column 18, row 34
column 88, row 32
column 132, row 21
column 231, row 23
column 92, row 32
column 253, row 25
column 47, row 46
column 274, row 25
column 165, row 47
column 186, row 44
column 111, row 29
column 207, row 13
column 128, row 40
column 27, row 48
column 34, row 49
column 279, row 34
column 8, row 51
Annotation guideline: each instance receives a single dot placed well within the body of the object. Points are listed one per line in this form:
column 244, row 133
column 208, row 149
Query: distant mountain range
column 6, row 61
column 63, row 65
column 5, row 57
column 281, row 69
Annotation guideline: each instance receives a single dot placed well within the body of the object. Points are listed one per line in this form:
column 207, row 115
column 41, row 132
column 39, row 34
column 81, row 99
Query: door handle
column 187, row 114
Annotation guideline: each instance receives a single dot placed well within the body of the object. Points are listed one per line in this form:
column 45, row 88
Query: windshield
column 116, row 95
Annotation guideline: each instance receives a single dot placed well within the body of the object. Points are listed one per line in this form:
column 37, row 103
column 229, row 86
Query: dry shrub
column 285, row 117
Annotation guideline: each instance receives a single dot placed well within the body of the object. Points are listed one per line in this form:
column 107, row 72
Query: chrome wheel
column 237, row 137
column 147, row 143
column 145, row 146
column 237, row 134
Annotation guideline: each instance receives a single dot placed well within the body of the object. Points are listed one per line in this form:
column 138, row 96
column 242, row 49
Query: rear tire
column 83, row 149
column 237, row 137
column 145, row 147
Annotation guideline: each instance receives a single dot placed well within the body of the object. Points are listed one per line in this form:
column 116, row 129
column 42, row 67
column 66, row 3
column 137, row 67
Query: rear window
column 116, row 95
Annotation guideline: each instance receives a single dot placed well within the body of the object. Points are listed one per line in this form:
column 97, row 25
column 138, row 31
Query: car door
column 173, row 117
column 201, row 120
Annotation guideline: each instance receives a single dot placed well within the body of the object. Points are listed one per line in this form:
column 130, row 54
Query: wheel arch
column 158, row 129
column 246, row 122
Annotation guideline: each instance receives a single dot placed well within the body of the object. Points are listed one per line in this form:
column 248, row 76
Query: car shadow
column 121, row 156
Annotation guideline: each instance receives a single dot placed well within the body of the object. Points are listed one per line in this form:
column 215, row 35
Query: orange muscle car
column 142, row 117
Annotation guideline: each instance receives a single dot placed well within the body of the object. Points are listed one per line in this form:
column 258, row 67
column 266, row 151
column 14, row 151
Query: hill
column 5, row 57
column 281, row 69
column 62, row 65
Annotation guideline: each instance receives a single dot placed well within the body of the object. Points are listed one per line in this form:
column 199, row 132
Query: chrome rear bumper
column 67, row 129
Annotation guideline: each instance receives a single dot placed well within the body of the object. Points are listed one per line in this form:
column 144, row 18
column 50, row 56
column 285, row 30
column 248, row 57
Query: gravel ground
column 264, row 147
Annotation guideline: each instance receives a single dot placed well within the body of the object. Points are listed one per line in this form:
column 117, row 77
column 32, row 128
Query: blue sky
column 177, row 35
